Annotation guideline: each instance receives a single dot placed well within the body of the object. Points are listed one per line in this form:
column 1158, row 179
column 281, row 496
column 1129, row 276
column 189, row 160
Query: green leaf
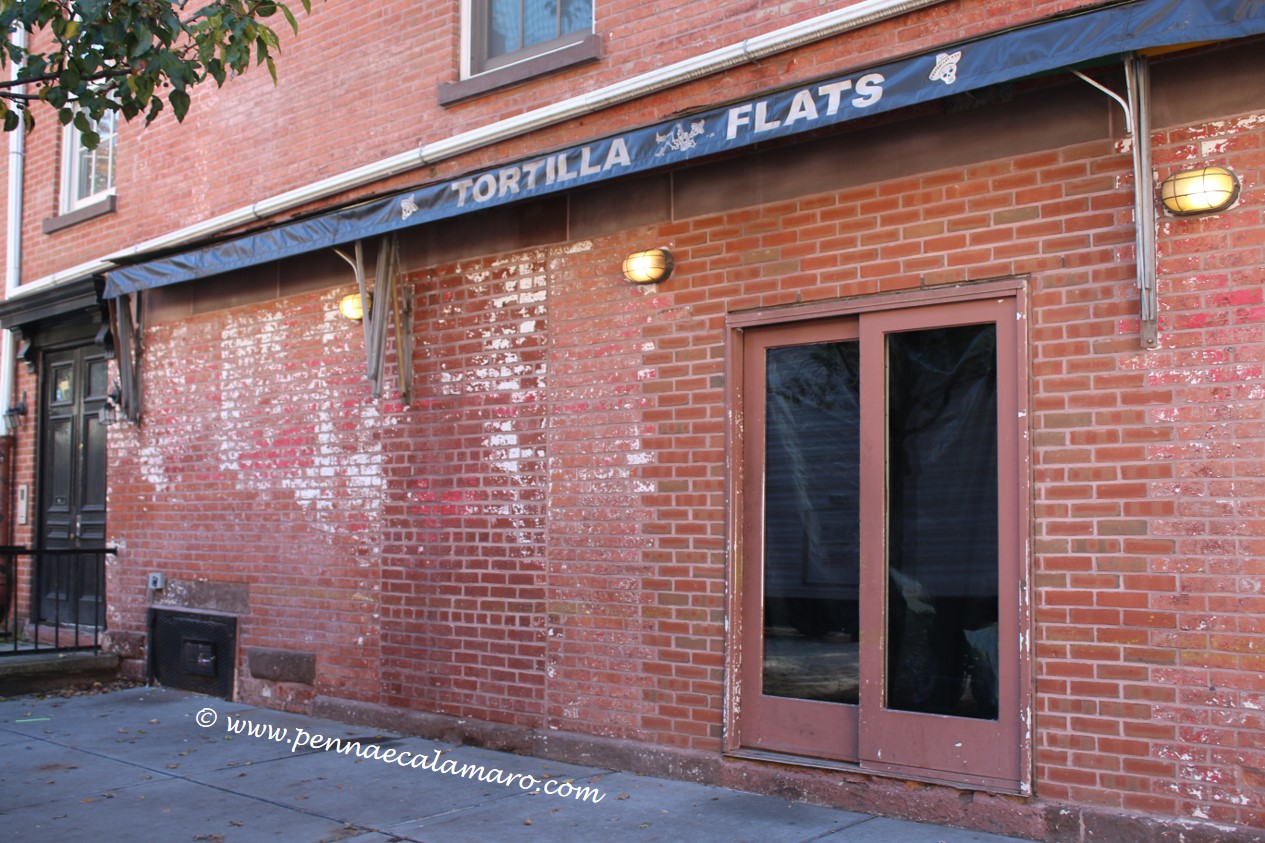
column 179, row 104
column 155, row 106
column 144, row 42
column 216, row 68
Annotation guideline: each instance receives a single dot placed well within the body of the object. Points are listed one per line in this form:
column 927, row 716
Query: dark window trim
column 87, row 212
column 587, row 49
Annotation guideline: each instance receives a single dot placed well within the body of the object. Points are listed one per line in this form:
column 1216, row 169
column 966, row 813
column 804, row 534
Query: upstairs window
column 510, row 41
column 505, row 32
column 88, row 174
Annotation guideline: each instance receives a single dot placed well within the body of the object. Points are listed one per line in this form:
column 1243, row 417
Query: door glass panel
column 98, row 379
column 63, row 385
column 811, row 522
column 942, row 508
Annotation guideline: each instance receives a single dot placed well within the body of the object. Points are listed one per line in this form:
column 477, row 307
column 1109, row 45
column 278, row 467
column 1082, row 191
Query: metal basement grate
column 193, row 652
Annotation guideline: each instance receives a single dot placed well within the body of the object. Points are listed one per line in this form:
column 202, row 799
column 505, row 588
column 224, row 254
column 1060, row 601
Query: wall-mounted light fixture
column 648, row 267
column 14, row 415
column 1203, row 190
column 353, row 308
column 108, row 413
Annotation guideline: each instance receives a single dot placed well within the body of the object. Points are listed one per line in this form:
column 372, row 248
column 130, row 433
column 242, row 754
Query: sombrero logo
column 946, row 69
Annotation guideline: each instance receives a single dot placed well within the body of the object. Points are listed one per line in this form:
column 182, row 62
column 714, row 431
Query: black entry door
column 72, row 484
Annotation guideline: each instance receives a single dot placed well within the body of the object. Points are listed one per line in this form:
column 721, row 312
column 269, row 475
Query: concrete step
column 37, row 672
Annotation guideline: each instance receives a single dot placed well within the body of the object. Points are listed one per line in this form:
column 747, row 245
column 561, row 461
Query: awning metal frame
column 1137, row 116
column 386, row 292
column 125, row 326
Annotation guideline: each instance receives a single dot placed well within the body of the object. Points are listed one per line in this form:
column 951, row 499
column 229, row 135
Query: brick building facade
column 884, row 498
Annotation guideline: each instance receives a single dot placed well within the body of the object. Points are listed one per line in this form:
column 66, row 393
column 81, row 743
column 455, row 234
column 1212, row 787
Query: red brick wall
column 464, row 560
column 1149, row 469
column 259, row 463
column 550, row 511
column 23, row 467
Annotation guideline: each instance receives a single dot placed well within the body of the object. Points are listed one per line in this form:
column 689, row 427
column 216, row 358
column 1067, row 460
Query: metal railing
column 64, row 608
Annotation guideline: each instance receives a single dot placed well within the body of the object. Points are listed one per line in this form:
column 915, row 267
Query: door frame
column 1012, row 378
column 784, row 731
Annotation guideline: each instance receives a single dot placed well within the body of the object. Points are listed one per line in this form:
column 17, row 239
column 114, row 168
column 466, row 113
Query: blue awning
column 1096, row 34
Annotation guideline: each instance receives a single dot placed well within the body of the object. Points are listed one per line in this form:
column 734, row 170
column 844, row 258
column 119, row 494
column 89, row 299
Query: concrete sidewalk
column 136, row 766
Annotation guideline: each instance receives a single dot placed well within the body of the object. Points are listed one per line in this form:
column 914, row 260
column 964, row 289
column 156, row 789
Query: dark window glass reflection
column 942, row 521
column 811, row 522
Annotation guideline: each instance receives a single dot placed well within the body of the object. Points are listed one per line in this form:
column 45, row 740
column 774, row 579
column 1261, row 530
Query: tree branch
column 51, row 76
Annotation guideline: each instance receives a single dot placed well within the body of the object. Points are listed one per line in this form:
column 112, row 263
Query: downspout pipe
column 12, row 278
column 13, row 238
column 750, row 50
column 1138, row 76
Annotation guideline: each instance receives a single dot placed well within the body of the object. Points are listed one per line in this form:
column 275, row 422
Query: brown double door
column 72, row 488
column 880, row 608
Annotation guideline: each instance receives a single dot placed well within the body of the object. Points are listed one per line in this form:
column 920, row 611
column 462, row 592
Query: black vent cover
column 193, row 652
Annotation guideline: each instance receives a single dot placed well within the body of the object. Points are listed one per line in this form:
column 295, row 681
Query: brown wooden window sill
column 87, row 212
column 587, row 50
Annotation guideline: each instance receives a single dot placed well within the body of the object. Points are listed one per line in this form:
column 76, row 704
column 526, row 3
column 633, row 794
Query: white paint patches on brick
column 153, row 468
column 501, row 377
column 284, row 424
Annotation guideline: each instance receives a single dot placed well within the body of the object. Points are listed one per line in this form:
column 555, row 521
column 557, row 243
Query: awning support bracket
column 390, row 303
column 128, row 352
column 1137, row 118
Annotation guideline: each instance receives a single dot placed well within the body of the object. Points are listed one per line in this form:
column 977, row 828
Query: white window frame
column 72, row 162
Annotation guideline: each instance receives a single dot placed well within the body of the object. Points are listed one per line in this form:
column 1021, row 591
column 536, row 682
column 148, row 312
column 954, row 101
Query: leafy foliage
column 88, row 57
